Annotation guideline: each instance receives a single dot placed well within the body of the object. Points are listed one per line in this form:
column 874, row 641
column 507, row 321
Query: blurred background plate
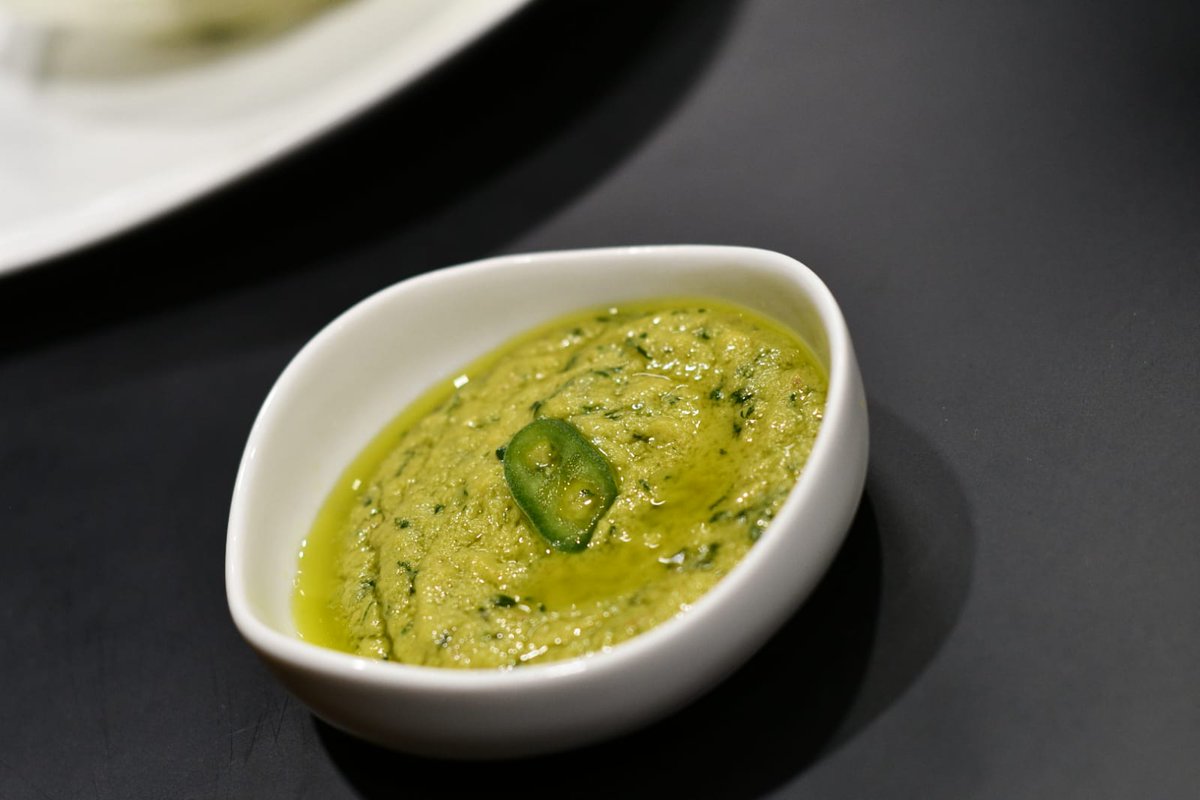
column 97, row 138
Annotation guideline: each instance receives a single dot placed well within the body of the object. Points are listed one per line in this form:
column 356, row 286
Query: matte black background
column 1004, row 196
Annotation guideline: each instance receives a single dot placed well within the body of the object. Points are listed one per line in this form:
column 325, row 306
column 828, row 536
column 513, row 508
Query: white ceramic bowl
column 369, row 363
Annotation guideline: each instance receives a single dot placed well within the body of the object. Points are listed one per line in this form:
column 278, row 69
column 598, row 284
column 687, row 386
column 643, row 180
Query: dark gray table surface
column 1004, row 196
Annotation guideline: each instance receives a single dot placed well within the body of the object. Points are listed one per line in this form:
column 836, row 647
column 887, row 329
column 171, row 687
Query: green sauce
column 705, row 414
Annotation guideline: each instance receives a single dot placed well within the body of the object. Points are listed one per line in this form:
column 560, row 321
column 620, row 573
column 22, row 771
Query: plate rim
column 391, row 74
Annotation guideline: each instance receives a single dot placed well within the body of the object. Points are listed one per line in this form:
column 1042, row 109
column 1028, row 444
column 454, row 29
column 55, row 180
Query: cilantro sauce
column 704, row 412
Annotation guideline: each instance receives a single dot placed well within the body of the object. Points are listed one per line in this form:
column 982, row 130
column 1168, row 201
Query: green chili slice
column 560, row 480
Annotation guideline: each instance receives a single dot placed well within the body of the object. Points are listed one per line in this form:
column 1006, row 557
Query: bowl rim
column 280, row 647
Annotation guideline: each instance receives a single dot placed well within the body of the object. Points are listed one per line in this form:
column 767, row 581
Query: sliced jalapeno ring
column 560, row 480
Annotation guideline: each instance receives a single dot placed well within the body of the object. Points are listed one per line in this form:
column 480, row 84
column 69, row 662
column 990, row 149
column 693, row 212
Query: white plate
column 95, row 140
